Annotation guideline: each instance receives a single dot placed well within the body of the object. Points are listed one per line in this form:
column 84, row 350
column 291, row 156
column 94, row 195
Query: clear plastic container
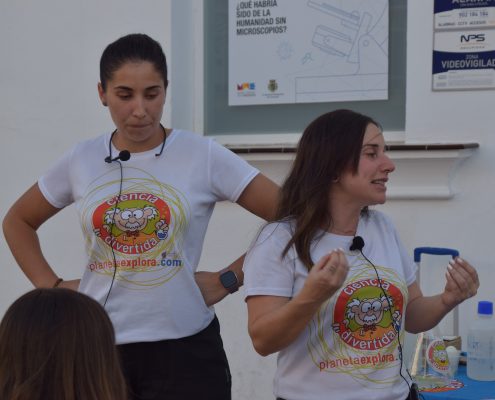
column 481, row 345
column 430, row 363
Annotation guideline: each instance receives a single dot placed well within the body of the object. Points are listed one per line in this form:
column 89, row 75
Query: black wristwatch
column 229, row 280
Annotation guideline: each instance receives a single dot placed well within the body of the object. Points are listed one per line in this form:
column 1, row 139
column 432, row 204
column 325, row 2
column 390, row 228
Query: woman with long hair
column 329, row 285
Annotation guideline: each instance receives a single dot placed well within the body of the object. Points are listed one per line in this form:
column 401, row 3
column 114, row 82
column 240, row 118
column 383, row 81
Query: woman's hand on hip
column 71, row 284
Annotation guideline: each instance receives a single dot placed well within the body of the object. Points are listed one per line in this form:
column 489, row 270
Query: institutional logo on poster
column 246, row 86
column 246, row 89
column 363, row 314
column 272, row 85
column 133, row 223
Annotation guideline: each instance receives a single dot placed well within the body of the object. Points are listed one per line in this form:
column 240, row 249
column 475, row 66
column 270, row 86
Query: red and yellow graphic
column 132, row 223
column 354, row 334
column 454, row 384
column 436, row 356
column 364, row 314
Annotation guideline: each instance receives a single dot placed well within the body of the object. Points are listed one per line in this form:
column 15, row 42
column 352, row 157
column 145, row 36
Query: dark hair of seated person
column 58, row 344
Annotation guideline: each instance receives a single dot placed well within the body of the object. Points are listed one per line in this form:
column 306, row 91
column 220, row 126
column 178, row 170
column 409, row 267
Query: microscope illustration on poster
column 308, row 51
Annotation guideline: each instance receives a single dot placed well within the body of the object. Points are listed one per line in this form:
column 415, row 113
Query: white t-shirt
column 159, row 227
column 349, row 350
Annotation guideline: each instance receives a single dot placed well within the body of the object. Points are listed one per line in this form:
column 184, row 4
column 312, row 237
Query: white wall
column 49, row 70
column 48, row 100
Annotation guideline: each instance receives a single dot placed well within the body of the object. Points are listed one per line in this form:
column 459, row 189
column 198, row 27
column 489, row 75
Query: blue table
column 472, row 390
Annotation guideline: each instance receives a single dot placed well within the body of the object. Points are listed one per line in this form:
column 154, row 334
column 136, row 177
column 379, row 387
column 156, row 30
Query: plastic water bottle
column 481, row 344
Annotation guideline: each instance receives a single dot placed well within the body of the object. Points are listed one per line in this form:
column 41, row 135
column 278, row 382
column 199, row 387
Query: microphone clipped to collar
column 124, row 155
column 357, row 243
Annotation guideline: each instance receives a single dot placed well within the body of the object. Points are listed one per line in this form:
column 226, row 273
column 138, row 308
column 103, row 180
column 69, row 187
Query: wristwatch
column 229, row 280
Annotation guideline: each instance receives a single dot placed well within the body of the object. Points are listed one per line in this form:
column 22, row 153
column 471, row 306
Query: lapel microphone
column 124, row 155
column 357, row 243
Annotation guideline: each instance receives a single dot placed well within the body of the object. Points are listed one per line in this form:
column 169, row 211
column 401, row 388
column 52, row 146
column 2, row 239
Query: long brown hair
column 58, row 344
column 330, row 145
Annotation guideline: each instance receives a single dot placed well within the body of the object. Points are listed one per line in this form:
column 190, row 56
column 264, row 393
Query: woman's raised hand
column 326, row 277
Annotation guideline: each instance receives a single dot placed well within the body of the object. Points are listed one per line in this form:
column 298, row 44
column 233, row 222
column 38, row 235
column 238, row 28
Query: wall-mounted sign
column 286, row 51
column 464, row 14
column 464, row 54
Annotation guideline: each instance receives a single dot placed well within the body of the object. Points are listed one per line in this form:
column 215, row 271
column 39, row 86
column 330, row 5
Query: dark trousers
column 194, row 367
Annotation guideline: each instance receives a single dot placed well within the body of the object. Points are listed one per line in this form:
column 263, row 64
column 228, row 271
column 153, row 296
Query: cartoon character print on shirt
column 364, row 314
column 353, row 333
column 132, row 224
column 143, row 228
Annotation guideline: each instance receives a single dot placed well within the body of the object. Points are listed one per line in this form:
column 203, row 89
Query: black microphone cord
column 163, row 142
column 413, row 389
column 124, row 155
column 112, row 238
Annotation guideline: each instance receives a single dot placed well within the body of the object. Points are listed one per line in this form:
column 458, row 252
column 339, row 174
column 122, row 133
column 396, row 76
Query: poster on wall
column 464, row 45
column 286, row 51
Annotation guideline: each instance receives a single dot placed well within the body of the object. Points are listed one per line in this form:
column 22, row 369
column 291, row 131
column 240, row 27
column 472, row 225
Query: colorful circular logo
column 436, row 355
column 364, row 314
column 132, row 223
